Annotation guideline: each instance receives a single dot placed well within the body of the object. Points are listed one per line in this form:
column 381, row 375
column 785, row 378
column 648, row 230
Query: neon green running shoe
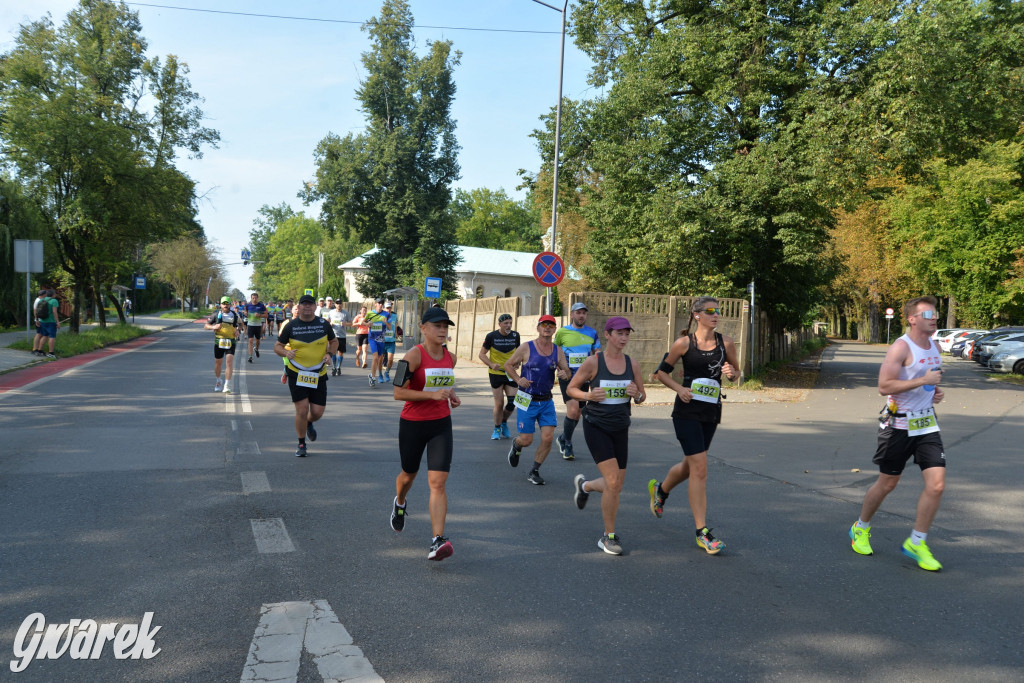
column 657, row 502
column 921, row 555
column 860, row 539
column 705, row 540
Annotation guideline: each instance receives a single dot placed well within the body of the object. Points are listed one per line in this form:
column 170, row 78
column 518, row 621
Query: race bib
column 523, row 400
column 615, row 391
column 920, row 422
column 575, row 359
column 307, row 379
column 223, row 343
column 376, row 328
column 436, row 379
column 706, row 389
column 389, row 336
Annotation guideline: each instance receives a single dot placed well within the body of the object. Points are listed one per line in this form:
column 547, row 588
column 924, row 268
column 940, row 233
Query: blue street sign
column 140, row 282
column 432, row 288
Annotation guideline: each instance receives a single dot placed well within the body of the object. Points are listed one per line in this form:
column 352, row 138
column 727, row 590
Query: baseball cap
column 380, row 300
column 617, row 323
column 389, row 305
column 578, row 306
column 503, row 317
column 306, row 299
column 547, row 319
column 225, row 299
column 436, row 315
column 329, row 299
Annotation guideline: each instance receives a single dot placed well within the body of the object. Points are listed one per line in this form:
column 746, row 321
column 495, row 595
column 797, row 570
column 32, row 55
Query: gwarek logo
column 81, row 639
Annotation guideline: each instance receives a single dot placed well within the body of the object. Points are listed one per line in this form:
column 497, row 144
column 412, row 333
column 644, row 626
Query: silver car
column 1008, row 358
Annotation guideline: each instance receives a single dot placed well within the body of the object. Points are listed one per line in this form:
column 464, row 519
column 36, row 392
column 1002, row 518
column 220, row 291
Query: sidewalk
column 13, row 359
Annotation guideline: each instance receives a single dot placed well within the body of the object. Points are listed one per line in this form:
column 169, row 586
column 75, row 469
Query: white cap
column 389, row 305
column 329, row 299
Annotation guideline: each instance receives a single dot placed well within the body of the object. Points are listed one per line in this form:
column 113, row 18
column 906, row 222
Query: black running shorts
column 895, row 449
column 694, row 436
column 434, row 436
column 317, row 396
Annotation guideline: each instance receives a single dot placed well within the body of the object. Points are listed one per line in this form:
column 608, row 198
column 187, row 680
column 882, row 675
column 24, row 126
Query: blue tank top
column 540, row 370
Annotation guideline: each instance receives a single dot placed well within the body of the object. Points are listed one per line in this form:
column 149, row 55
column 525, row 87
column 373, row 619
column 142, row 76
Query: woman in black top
column 707, row 356
column 614, row 380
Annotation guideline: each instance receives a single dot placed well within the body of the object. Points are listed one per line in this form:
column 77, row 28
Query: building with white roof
column 482, row 273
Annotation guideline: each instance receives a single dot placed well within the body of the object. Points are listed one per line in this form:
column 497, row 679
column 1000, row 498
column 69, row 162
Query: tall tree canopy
column 493, row 220
column 391, row 184
column 90, row 128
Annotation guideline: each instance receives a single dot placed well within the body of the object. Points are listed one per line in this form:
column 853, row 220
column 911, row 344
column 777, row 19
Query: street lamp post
column 558, row 140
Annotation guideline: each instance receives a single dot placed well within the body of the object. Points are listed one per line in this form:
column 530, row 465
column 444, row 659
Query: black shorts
column 317, row 397
column 606, row 445
column 895, row 448
column 694, row 436
column 220, row 353
column 434, row 436
column 499, row 381
column 342, row 345
column 254, row 331
column 563, row 384
column 361, row 340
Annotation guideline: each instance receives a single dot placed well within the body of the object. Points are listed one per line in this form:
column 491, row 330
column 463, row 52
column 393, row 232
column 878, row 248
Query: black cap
column 436, row 315
column 306, row 299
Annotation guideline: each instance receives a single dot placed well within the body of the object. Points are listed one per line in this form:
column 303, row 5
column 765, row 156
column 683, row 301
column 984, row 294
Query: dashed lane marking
column 271, row 536
column 255, row 482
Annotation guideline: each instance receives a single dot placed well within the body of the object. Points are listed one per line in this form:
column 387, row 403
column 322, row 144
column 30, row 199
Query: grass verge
column 1008, row 377
column 74, row 344
column 187, row 315
column 791, row 373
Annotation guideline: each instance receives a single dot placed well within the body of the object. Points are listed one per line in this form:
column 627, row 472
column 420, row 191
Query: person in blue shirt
column 578, row 341
column 255, row 315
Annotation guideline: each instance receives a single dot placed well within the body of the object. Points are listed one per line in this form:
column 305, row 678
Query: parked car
column 988, row 348
column 1008, row 360
column 942, row 334
column 960, row 348
column 993, row 335
column 946, row 343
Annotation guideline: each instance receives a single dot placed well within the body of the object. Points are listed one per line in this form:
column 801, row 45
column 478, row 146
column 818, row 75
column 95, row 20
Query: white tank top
column 919, row 398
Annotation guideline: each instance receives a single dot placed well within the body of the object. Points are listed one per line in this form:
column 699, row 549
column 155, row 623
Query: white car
column 946, row 342
column 939, row 335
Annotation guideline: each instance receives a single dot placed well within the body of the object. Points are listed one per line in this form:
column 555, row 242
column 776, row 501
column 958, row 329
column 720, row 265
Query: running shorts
column 317, row 396
column 541, row 412
column 254, row 331
column 434, row 436
column 499, row 381
column 606, row 445
column 220, row 353
column 895, row 449
column 694, row 436
column 361, row 340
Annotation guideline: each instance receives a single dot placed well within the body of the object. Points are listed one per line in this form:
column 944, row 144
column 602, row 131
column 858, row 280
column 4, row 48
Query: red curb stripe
column 21, row 378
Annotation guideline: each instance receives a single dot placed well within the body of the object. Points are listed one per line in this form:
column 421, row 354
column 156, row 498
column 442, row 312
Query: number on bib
column 225, row 343
column 706, row 390
column 436, row 379
column 307, row 379
column 920, row 422
column 523, row 400
column 615, row 391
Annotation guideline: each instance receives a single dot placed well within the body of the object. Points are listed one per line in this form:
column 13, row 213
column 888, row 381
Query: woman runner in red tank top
column 425, row 380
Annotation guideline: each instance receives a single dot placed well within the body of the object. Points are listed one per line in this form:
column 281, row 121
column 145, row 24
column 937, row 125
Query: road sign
column 140, row 282
column 889, row 313
column 308, row 292
column 432, row 288
column 28, row 256
column 548, row 268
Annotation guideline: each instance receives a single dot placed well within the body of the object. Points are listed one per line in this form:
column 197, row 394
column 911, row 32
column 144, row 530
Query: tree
column 91, row 128
column 188, row 265
column 492, row 220
column 390, row 185
column 292, row 258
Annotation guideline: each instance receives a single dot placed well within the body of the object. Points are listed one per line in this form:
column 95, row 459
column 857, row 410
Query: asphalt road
column 123, row 490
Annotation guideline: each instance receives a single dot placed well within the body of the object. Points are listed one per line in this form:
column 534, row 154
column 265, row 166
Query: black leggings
column 605, row 445
column 433, row 435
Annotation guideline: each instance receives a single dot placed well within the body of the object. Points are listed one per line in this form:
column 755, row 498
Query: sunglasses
column 927, row 315
column 713, row 311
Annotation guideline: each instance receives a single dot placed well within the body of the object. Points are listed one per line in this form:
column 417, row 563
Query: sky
column 274, row 87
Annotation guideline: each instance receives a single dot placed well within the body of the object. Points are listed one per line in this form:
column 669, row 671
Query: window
column 479, row 291
column 508, row 293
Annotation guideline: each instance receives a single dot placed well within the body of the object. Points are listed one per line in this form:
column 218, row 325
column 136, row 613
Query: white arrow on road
column 288, row 628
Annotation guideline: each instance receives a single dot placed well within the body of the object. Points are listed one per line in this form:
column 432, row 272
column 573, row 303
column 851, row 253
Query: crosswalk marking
column 255, row 482
column 271, row 536
column 286, row 629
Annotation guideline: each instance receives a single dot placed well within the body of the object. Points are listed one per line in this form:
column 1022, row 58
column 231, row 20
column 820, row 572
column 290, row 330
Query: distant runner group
column 598, row 382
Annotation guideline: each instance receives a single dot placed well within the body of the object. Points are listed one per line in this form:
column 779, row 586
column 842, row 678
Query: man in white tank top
column 909, row 379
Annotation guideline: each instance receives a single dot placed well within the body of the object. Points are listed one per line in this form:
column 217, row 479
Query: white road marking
column 271, row 536
column 243, row 391
column 255, row 482
column 288, row 628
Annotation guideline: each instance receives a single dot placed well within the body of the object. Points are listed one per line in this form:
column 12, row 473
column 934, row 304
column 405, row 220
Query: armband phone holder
column 402, row 374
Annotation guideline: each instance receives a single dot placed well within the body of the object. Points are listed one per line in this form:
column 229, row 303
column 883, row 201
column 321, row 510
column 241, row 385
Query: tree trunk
column 76, row 307
column 951, row 313
column 873, row 334
column 117, row 307
column 97, row 301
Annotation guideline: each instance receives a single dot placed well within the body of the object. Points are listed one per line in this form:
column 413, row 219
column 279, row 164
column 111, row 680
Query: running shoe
column 51, row 356
column 570, row 454
column 373, row 382
column 496, row 434
column 387, row 376
column 657, row 502
column 250, row 359
column 219, row 385
column 398, row 516
column 227, row 388
column 860, row 539
column 300, row 452
column 580, row 497
column 440, row 548
column 922, row 555
column 564, row 447
column 257, row 352
column 535, row 478
column 380, row 378
column 513, row 454
column 505, row 434
column 708, row 542
column 610, row 544
column 310, row 431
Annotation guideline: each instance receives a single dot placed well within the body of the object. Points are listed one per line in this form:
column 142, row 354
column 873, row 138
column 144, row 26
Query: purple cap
column 617, row 323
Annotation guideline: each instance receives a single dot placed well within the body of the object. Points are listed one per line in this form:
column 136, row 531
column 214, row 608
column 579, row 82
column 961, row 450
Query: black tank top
column 611, row 414
column 699, row 364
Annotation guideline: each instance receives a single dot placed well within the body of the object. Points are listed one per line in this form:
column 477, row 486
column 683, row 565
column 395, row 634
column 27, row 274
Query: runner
column 425, row 380
column 225, row 324
column 255, row 314
column 339, row 321
column 362, row 334
column 539, row 359
column 578, row 341
column 614, row 378
column 707, row 356
column 498, row 347
column 378, row 322
column 908, row 379
column 307, row 344
column 272, row 309
column 389, row 339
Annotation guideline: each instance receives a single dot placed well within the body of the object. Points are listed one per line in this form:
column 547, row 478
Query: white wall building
column 482, row 273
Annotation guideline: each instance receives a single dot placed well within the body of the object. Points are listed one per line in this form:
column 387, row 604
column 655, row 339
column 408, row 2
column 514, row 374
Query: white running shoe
column 219, row 385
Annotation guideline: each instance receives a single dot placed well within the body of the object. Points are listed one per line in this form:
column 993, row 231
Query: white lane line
column 243, row 391
column 271, row 536
column 234, row 425
column 248, row 448
column 286, row 629
column 255, row 482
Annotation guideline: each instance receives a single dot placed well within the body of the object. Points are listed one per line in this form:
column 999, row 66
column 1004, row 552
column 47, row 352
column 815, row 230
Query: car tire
column 1018, row 367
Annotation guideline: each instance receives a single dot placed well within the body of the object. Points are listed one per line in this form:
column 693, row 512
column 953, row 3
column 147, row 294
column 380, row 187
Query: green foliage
column 76, row 343
column 390, row 185
column 492, row 220
column 292, row 258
